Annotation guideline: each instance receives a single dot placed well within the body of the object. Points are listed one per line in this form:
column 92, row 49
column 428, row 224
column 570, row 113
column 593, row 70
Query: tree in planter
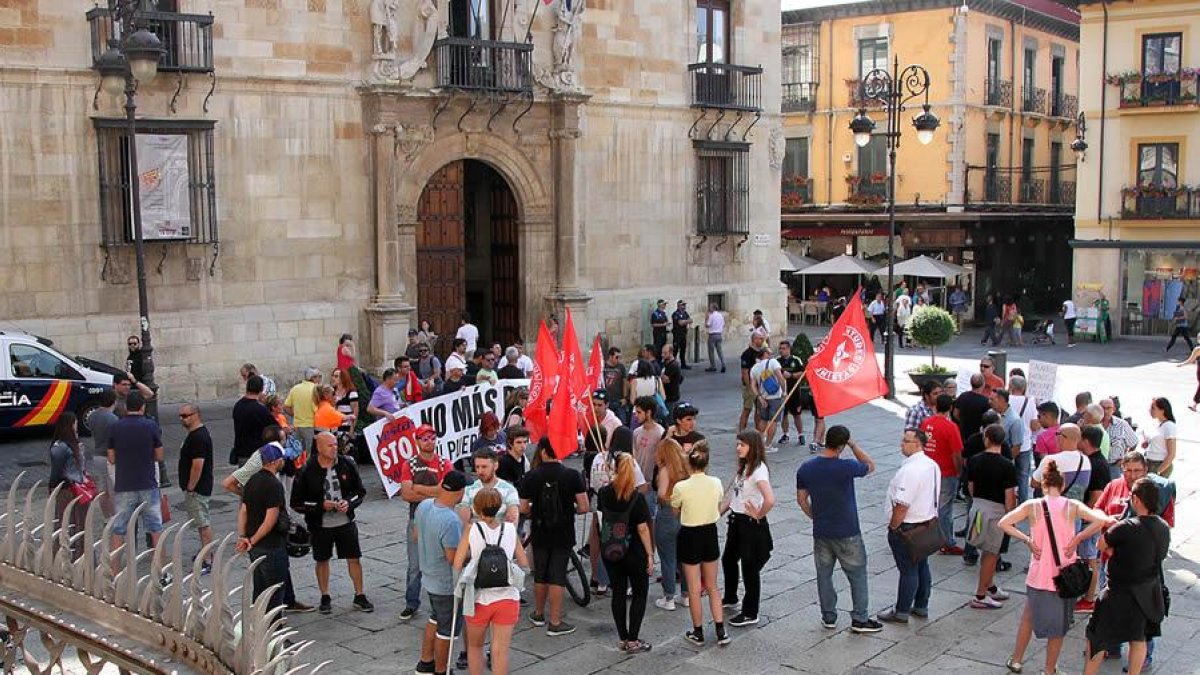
column 931, row 327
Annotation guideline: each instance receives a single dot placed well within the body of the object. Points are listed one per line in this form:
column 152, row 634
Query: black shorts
column 792, row 407
column 697, row 545
column 345, row 538
column 550, row 565
column 807, row 402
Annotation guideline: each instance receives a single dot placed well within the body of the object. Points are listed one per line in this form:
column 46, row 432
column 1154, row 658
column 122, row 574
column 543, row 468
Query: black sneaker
column 537, row 619
column 868, row 626
column 799, row 440
column 727, row 604
column 461, row 662
column 326, row 606
column 784, row 439
column 362, row 604
column 408, row 613
column 299, row 608
column 561, row 628
column 743, row 620
column 425, row 668
column 723, row 637
column 695, row 636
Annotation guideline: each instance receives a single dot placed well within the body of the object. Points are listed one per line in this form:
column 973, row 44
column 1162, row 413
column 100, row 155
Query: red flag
column 843, row 372
column 571, row 365
column 594, row 381
column 572, row 393
column 541, row 383
column 563, row 426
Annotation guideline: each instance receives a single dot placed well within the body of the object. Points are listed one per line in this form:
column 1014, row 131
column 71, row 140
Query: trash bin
column 999, row 358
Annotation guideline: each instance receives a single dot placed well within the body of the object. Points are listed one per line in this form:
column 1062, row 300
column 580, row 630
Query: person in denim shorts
column 134, row 449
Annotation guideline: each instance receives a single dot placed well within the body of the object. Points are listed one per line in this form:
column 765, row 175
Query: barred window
column 722, row 188
column 177, row 185
column 801, row 71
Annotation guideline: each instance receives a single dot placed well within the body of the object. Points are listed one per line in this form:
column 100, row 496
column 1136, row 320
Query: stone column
column 390, row 313
column 566, row 109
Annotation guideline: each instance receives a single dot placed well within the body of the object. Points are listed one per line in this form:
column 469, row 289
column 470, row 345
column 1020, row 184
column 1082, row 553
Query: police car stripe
column 50, row 407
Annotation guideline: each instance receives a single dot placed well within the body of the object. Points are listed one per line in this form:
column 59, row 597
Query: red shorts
column 501, row 613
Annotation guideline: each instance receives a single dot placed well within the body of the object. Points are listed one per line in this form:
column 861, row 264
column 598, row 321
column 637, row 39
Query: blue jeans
column 852, row 556
column 128, row 502
column 946, row 508
column 273, row 570
column 412, row 589
column 1024, row 471
column 915, row 580
column 666, row 530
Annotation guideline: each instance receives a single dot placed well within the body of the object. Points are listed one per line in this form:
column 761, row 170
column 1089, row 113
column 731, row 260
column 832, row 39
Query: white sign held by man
column 1043, row 380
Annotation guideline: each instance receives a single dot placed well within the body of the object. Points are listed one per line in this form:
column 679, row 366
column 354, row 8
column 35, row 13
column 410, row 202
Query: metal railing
column 1033, row 190
column 1157, row 203
column 726, row 86
column 1033, row 100
column 1064, row 105
column 799, row 97
column 1062, row 192
column 997, row 188
column 186, row 38
column 1169, row 89
column 998, row 93
column 484, row 65
column 722, row 188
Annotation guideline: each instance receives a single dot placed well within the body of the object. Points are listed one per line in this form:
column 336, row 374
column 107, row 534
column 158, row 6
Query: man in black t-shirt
column 513, row 463
column 969, row 408
column 992, row 479
column 615, row 374
column 793, row 368
column 551, row 495
column 758, row 340
column 250, row 418
column 196, row 474
column 684, row 431
column 260, row 531
column 672, row 375
column 1090, row 438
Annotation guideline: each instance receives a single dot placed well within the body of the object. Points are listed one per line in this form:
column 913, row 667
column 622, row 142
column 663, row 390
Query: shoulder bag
column 1073, row 580
column 922, row 540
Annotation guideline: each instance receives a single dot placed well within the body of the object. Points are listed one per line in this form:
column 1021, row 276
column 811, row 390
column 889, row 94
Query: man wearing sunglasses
column 196, row 474
column 991, row 381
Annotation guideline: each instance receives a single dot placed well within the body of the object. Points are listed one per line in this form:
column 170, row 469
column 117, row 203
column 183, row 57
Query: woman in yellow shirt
column 697, row 501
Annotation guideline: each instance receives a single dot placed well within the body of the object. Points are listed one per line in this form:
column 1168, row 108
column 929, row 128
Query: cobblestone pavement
column 954, row 639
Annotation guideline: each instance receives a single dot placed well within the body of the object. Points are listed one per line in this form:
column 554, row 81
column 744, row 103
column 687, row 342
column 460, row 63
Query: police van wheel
column 84, row 415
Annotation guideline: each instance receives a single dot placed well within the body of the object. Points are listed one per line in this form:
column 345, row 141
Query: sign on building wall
column 164, row 181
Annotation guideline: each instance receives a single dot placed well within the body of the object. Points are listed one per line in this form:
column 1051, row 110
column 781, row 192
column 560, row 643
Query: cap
column 681, row 302
column 600, row 395
column 270, row 453
column 311, row 372
column 425, row 430
column 412, row 332
column 661, row 301
column 454, row 481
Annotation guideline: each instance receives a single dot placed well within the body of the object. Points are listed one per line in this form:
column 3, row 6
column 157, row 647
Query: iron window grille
column 722, row 188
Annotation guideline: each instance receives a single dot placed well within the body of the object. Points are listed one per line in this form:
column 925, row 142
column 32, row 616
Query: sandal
column 637, row 646
column 1014, row 666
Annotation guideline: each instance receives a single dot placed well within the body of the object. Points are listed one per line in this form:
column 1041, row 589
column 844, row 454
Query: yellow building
column 1137, row 219
column 996, row 187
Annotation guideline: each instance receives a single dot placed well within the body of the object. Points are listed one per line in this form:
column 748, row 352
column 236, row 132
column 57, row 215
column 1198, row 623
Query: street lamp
column 1079, row 146
column 893, row 90
column 132, row 59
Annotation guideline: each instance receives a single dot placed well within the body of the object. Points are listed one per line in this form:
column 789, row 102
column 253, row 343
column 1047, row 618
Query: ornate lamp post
column 131, row 59
column 893, row 90
column 1079, row 146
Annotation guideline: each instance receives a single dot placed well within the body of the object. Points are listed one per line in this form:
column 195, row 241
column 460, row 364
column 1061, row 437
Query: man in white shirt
column 467, row 331
column 911, row 499
column 878, row 311
column 1121, row 437
column 523, row 361
column 714, row 324
column 458, row 355
column 769, row 385
column 1068, row 315
column 1026, row 409
column 485, row 462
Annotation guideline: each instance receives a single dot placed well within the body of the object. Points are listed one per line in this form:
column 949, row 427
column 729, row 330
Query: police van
column 38, row 382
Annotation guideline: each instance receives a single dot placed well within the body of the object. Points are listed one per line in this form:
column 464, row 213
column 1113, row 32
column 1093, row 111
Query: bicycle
column 578, row 586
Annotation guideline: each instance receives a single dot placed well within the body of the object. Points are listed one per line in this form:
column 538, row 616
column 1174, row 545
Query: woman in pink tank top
column 1047, row 615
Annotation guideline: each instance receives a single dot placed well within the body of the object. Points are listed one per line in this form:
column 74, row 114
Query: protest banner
column 455, row 417
column 1043, row 380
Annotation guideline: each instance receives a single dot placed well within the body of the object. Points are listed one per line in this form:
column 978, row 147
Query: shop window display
column 1153, row 281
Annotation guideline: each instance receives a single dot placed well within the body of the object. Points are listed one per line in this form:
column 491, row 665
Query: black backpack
column 550, row 508
column 492, row 568
column 615, row 536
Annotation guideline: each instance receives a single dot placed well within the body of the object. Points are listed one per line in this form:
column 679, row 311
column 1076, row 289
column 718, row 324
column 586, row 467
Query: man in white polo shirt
column 911, row 498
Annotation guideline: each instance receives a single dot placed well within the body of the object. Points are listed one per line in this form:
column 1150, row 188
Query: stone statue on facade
column 777, row 147
column 384, row 27
column 425, row 32
column 568, row 26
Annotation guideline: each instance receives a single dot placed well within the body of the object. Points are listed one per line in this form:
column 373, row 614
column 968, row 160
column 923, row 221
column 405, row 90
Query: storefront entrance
column 1153, row 280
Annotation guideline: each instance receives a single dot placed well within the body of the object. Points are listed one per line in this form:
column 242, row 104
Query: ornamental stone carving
column 384, row 27
column 777, row 147
column 425, row 31
column 568, row 26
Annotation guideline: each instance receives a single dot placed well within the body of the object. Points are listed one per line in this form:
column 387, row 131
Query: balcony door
column 1056, row 195
column 471, row 19
column 1056, row 86
column 712, row 31
column 1028, row 80
column 872, row 55
column 992, row 184
column 1158, row 167
column 1161, row 54
column 994, row 70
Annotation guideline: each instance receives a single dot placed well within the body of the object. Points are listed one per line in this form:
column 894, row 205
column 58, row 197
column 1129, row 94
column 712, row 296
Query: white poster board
column 164, row 182
column 1043, row 380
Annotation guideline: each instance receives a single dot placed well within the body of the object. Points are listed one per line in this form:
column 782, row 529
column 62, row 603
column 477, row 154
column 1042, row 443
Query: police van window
column 29, row 361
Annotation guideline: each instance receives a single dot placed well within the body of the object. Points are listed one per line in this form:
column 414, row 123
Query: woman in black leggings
column 627, row 551
column 748, row 540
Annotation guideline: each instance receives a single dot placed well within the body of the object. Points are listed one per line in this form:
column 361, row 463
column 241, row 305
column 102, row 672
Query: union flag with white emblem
column 842, row 372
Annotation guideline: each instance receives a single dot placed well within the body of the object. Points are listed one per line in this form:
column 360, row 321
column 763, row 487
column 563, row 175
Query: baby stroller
column 1043, row 333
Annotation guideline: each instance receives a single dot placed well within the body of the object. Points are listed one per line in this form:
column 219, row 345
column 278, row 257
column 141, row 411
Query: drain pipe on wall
column 829, row 122
column 1103, row 119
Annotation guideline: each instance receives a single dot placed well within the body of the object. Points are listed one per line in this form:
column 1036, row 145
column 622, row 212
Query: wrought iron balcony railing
column 187, row 38
column 1033, row 100
column 799, row 97
column 1144, row 90
column 484, row 65
column 997, row 188
column 1033, row 191
column 1062, row 192
column 1064, row 105
column 1150, row 202
column 998, row 93
column 726, row 86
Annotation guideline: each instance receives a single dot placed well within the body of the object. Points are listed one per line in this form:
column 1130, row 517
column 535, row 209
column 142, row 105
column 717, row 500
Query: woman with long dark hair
column 748, row 539
column 1160, row 448
column 627, row 551
column 67, row 464
column 515, row 404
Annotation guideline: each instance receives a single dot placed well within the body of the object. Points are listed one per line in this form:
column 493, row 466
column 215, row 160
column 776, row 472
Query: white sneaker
column 772, row 450
column 667, row 603
column 685, row 601
column 999, row 594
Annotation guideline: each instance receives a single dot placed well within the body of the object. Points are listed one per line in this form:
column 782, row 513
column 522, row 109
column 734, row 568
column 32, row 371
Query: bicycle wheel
column 577, row 581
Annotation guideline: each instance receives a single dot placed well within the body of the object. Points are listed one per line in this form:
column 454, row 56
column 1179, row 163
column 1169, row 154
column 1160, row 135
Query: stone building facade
column 357, row 165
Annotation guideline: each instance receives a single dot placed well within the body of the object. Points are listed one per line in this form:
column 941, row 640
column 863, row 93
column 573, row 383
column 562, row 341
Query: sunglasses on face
column 984, row 367
column 184, row 416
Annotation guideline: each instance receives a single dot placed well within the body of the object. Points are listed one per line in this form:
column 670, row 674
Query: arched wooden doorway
column 467, row 256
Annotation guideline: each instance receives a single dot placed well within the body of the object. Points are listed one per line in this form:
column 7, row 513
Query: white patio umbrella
column 791, row 262
column 924, row 266
column 843, row 264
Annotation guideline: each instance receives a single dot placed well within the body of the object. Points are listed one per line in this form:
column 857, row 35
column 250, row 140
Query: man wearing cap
column 681, row 321
column 419, row 478
column 603, row 414
column 437, row 529
column 301, row 405
column 261, row 526
column 658, row 326
column 684, row 431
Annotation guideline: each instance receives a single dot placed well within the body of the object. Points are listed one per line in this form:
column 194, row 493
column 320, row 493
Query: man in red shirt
column 991, row 381
column 420, row 477
column 945, row 448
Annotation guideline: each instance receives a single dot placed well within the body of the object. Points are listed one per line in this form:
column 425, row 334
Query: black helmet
column 684, row 409
column 299, row 543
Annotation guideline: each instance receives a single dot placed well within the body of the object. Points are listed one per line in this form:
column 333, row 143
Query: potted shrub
column 930, row 327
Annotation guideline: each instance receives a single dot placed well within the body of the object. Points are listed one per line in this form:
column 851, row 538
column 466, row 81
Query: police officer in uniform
column 658, row 324
column 680, row 322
